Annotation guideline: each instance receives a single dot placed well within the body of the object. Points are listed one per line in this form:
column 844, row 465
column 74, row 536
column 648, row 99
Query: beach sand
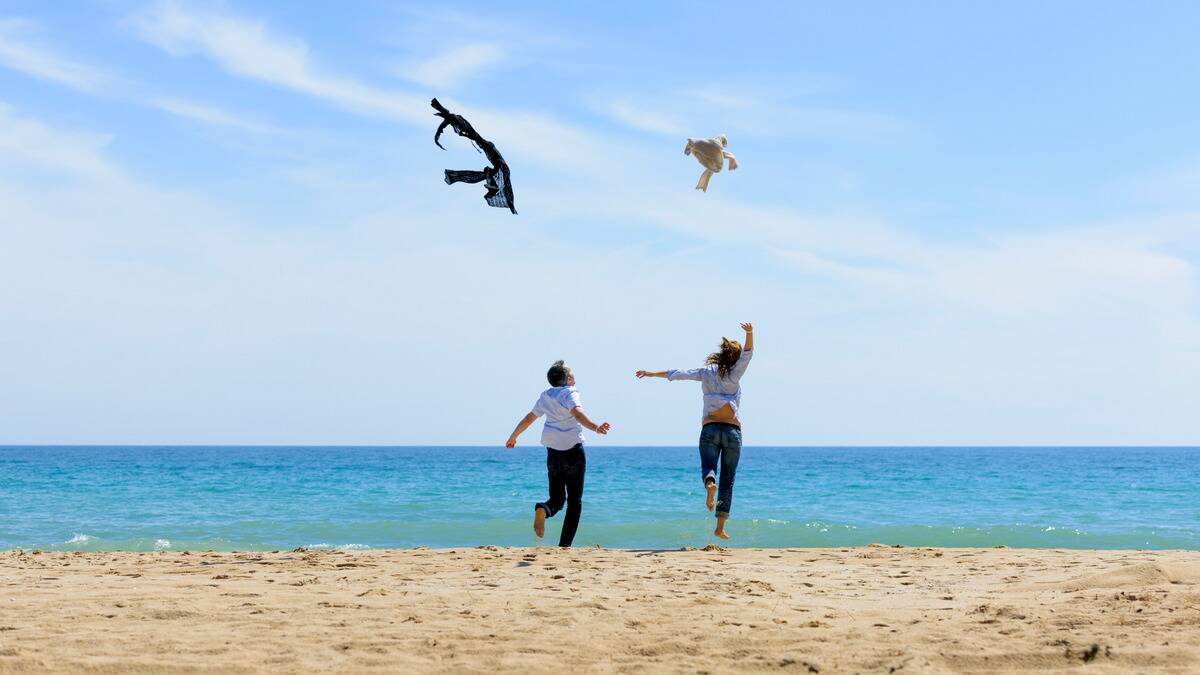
column 874, row 609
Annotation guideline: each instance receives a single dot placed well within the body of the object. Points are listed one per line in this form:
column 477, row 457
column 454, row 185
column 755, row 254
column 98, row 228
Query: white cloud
column 20, row 53
column 746, row 112
column 1056, row 271
column 213, row 116
column 1066, row 273
column 633, row 115
column 1138, row 265
column 1177, row 185
column 1029, row 277
column 451, row 68
column 30, row 140
column 248, row 49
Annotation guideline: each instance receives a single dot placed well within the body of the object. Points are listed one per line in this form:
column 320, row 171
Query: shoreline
column 851, row 609
column 712, row 547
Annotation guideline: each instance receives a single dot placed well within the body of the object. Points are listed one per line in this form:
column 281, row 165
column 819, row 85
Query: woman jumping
column 720, row 430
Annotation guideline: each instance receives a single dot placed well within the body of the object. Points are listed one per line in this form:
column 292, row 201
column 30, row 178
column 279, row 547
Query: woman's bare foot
column 539, row 521
column 720, row 531
column 711, row 487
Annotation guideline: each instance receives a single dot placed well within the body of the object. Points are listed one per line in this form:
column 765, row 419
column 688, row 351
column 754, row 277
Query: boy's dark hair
column 557, row 375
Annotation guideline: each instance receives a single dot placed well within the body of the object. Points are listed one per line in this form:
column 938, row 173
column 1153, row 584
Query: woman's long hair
column 724, row 360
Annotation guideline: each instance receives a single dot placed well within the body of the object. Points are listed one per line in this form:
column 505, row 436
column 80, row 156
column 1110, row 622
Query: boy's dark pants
column 565, row 468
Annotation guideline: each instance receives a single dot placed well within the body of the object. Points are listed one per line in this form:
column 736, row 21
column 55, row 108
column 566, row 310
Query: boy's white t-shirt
column 562, row 430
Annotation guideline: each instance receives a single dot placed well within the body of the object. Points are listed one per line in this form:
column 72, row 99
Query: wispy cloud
column 20, row 51
column 33, row 142
column 1138, row 266
column 749, row 112
column 1177, row 185
column 1062, row 274
column 451, row 68
column 634, row 115
column 246, row 48
column 214, row 116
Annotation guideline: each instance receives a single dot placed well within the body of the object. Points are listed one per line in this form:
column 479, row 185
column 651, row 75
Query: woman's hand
column 511, row 442
column 749, row 328
column 642, row 373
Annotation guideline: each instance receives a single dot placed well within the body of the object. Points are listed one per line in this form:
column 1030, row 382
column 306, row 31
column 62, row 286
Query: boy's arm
column 582, row 418
column 521, row 427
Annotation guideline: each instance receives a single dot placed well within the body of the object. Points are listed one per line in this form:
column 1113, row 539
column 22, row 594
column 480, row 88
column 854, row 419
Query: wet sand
column 873, row 609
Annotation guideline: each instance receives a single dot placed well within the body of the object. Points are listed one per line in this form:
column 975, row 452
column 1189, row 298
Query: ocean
column 142, row 498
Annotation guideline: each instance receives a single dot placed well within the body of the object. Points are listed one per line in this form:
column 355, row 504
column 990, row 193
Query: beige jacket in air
column 710, row 152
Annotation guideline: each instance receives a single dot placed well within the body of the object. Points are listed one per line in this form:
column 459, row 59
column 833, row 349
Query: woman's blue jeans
column 720, row 445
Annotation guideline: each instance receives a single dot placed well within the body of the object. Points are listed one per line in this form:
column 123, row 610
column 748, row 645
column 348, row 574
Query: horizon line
column 501, row 446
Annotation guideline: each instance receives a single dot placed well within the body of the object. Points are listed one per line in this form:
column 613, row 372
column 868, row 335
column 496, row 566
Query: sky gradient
column 226, row 223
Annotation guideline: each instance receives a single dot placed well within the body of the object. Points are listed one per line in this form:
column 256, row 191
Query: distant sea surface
column 264, row 498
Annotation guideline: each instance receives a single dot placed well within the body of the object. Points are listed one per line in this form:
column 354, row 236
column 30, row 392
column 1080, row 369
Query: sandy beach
column 874, row 609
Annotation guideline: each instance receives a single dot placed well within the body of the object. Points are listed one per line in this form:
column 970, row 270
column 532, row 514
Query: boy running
column 563, row 438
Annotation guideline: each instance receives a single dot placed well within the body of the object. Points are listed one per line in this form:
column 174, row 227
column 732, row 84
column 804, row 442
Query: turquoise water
column 243, row 498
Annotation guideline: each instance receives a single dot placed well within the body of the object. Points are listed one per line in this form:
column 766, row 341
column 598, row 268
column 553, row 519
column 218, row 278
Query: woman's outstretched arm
column 672, row 375
column 749, row 328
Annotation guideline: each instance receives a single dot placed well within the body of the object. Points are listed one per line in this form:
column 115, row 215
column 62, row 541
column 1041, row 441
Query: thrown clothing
column 717, row 390
column 562, row 431
column 711, row 154
column 495, row 178
column 496, row 181
column 565, row 470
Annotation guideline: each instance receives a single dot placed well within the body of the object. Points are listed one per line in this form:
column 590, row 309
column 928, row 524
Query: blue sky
column 952, row 224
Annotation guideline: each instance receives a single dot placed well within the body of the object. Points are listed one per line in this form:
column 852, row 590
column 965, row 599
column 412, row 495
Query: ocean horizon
column 148, row 497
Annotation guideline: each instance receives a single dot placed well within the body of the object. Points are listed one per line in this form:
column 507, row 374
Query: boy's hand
column 603, row 428
column 748, row 327
column 511, row 442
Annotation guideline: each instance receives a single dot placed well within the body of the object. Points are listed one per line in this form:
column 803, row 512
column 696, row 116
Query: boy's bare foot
column 712, row 495
column 539, row 521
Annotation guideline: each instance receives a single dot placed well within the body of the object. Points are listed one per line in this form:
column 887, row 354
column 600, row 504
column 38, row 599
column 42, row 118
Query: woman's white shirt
column 718, row 390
